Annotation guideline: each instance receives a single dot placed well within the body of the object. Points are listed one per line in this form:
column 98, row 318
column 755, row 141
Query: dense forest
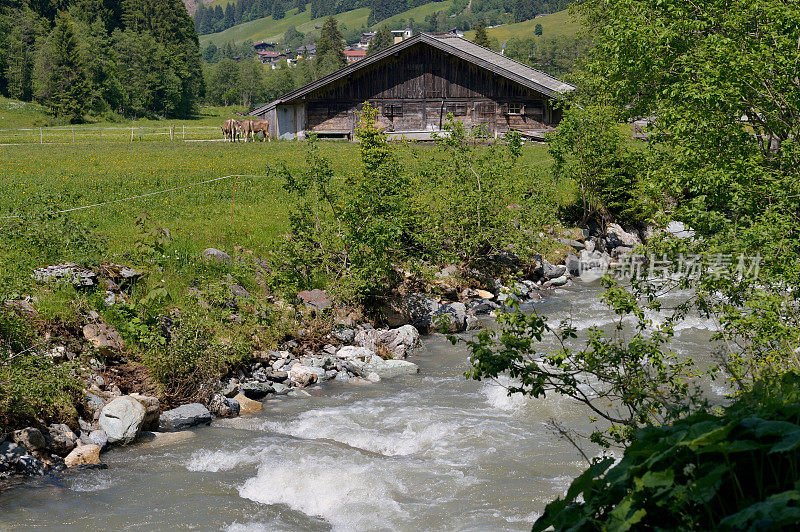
column 462, row 14
column 101, row 57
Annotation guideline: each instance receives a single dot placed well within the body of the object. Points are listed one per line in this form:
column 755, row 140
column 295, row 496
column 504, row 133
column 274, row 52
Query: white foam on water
column 497, row 396
column 99, row 482
column 387, row 430
column 350, row 492
column 220, row 460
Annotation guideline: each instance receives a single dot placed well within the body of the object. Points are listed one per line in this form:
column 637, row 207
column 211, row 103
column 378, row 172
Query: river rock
column 152, row 410
column 83, row 455
column 352, row 351
column 616, row 236
column 484, row 294
column 413, row 309
column 552, row 272
column 230, row 390
column 30, row 438
column 558, row 281
column 221, row 406
column 248, row 406
column 303, row 375
column 256, row 390
column 60, row 439
column 398, row 342
column 385, row 369
column 99, row 438
column 344, row 334
column 184, row 417
column 103, row 337
column 15, row 461
column 122, row 419
column 159, row 439
column 450, row 318
column 215, row 254
column 483, row 306
column 574, row 244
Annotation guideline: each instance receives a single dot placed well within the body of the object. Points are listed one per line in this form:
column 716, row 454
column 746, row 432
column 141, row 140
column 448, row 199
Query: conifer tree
column 383, row 39
column 481, row 37
column 62, row 81
column 330, row 48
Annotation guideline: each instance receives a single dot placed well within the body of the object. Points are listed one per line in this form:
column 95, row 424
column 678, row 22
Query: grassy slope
column 553, row 25
column 272, row 30
column 198, row 217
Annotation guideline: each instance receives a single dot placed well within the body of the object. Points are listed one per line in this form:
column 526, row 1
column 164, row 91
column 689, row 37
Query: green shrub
column 737, row 471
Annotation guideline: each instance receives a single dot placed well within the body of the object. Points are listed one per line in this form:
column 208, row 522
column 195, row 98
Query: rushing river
column 432, row 451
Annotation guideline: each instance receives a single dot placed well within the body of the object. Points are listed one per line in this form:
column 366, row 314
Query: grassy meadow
column 208, row 215
column 553, row 25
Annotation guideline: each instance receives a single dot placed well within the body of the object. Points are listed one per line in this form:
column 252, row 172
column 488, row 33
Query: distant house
column 263, row 46
column 270, row 57
column 354, row 55
column 366, row 38
column 307, row 51
column 416, row 84
column 401, row 35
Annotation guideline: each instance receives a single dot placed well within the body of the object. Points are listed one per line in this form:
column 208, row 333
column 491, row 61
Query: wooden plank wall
column 417, row 88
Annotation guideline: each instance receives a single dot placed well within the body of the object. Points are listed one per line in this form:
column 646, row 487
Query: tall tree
column 278, row 10
column 330, row 48
column 62, row 81
column 481, row 37
column 383, row 39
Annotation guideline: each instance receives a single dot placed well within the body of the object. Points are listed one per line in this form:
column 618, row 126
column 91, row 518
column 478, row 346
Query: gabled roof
column 452, row 44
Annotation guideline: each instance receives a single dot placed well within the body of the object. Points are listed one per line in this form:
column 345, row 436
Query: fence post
column 41, row 136
column 184, row 132
column 101, row 135
column 131, row 133
column 172, row 132
column 73, row 134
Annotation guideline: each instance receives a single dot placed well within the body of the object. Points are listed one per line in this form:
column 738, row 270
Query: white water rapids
column 427, row 452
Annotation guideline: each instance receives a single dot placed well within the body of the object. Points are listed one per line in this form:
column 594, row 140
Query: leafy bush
column 191, row 357
column 738, row 471
column 32, row 387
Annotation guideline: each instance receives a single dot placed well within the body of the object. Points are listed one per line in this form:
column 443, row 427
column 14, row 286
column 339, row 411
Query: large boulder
column 83, row 455
column 318, row 299
column 398, row 342
column 616, row 236
column 222, row 406
column 247, row 406
column 103, row 337
column 215, row 254
column 152, row 409
column 414, row 309
column 451, row 318
column 256, row 390
column 385, row 369
column 67, row 272
column 184, row 417
column 15, row 461
column 302, row 375
column 60, row 439
column 30, row 438
column 122, row 419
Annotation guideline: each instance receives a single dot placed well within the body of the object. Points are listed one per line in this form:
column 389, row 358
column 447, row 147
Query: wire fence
column 89, row 134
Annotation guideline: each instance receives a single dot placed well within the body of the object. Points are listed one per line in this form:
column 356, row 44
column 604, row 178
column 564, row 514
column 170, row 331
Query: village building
column 354, row 55
column 402, row 35
column 416, row 84
column 307, row 51
column 270, row 57
column 366, row 38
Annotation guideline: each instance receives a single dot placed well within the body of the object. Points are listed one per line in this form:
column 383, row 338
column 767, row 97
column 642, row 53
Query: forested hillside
column 96, row 57
column 462, row 14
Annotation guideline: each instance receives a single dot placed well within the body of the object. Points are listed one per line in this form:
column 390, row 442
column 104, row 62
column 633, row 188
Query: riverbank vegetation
column 719, row 85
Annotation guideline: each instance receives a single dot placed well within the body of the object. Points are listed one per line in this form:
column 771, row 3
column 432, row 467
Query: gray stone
column 344, row 334
column 103, row 337
column 398, row 342
column 215, row 254
column 318, row 299
column 414, row 309
column 448, row 271
column 342, row 376
column 68, row 272
column 352, row 351
column 616, row 236
column 184, row 417
column 473, row 323
column 679, row 230
column 60, row 439
column 558, row 281
column 152, row 410
column 221, row 406
column 385, row 369
column 14, row 461
column 99, row 438
column 280, row 388
column 578, row 246
column 30, row 438
column 573, row 264
column 256, row 390
column 239, row 291
column 122, row 419
column 230, row 390
column 450, row 318
column 552, row 272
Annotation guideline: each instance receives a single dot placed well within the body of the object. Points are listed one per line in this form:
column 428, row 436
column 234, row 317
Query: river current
column 432, row 451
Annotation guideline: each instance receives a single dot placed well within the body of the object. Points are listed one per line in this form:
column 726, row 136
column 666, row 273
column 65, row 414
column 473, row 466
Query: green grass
column 272, row 30
column 553, row 25
column 202, row 216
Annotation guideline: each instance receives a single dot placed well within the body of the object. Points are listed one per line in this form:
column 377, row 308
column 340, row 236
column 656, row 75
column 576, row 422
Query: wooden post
column 131, row 133
column 73, row 134
column 101, row 135
column 171, row 132
column 41, row 136
column 184, row 132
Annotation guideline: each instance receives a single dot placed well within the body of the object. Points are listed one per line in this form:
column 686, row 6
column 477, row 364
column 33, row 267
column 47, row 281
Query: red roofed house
column 355, row 55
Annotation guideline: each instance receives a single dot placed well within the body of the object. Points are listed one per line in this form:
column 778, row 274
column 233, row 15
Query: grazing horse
column 260, row 125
